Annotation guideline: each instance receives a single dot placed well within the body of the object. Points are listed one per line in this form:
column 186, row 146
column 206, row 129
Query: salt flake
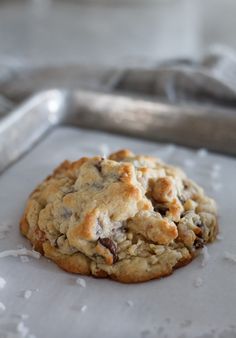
column 2, row 307
column 206, row 256
column 81, row 282
column 27, row 294
column 104, row 149
column 230, row 257
column 219, row 237
column 22, row 329
column 2, row 283
column 83, row 308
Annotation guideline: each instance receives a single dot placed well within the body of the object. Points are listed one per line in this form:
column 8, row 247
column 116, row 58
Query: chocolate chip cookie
column 126, row 217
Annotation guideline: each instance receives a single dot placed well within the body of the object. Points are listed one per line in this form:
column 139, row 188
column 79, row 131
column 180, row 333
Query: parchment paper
column 170, row 307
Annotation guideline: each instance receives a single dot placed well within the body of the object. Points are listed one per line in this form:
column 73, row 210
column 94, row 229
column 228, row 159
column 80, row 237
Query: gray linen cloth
column 211, row 80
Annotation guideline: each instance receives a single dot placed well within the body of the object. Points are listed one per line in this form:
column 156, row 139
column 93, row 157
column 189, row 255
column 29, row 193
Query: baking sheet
column 170, row 307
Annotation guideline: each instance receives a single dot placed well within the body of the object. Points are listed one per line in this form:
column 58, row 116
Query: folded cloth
column 210, row 80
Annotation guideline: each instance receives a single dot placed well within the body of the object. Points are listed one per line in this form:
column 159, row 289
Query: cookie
column 126, row 217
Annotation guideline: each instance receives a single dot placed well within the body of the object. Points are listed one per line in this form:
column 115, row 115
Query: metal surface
column 207, row 127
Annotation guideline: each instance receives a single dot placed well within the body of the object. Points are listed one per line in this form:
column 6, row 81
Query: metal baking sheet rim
column 191, row 126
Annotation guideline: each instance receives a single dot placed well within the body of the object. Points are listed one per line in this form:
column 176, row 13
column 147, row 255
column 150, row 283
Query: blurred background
column 177, row 50
column 113, row 32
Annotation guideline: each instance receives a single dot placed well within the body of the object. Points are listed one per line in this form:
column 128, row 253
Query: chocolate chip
column 110, row 245
column 186, row 185
column 161, row 209
column 98, row 165
column 198, row 243
column 200, row 224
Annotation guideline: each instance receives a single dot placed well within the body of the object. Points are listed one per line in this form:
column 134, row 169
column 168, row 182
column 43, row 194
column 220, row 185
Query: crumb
column 81, row 282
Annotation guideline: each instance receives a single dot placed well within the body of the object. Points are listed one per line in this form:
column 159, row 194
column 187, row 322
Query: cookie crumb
column 230, row 257
column 206, row 256
column 2, row 283
column 2, row 307
column 81, row 282
column 198, row 282
column 130, row 303
column 83, row 308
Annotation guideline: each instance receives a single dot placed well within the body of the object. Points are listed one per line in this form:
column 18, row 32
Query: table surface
column 170, row 307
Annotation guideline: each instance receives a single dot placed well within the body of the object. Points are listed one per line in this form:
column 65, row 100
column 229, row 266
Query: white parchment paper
column 195, row 301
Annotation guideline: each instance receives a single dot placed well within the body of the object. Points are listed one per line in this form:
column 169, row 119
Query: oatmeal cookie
column 130, row 218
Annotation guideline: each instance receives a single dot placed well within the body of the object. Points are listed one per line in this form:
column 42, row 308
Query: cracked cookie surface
column 130, row 218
